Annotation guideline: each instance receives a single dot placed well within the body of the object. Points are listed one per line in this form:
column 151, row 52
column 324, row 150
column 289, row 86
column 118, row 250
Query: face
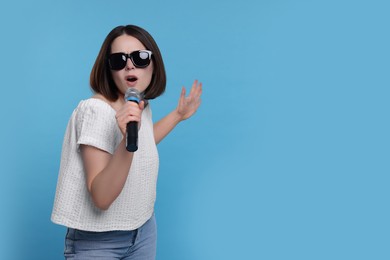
column 130, row 75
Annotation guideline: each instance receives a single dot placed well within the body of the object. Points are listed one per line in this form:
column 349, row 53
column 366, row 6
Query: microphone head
column 132, row 94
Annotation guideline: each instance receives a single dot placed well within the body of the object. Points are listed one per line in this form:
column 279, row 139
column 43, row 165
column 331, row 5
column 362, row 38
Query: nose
column 129, row 64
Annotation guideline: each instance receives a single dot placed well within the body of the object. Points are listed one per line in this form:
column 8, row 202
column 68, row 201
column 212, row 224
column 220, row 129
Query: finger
column 199, row 90
column 193, row 88
column 134, row 108
column 129, row 105
column 132, row 118
column 130, row 109
column 142, row 105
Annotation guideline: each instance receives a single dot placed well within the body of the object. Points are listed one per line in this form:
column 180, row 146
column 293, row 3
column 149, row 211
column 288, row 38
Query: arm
column 106, row 174
column 186, row 107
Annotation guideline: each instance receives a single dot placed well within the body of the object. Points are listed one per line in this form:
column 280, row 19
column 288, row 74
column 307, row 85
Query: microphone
column 132, row 95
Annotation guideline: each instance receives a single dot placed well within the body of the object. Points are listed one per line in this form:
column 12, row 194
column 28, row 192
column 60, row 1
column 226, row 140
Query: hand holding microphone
column 129, row 117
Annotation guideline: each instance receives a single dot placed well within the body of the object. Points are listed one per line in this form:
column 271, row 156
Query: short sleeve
column 96, row 125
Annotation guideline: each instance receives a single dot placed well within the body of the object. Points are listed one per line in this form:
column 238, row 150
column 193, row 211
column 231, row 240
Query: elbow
column 102, row 205
column 100, row 202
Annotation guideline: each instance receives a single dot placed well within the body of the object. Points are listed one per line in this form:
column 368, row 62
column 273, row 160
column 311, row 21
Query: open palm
column 188, row 105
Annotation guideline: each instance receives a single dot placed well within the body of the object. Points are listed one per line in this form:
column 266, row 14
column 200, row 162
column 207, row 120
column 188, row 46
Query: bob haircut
column 101, row 78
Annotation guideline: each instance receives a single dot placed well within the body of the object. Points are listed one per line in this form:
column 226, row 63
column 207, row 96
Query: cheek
column 151, row 68
column 149, row 73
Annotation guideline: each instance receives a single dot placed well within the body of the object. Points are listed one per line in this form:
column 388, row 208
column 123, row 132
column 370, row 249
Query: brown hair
column 101, row 79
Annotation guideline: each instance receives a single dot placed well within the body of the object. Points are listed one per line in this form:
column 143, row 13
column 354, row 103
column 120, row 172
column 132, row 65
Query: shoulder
column 95, row 125
column 94, row 104
column 92, row 109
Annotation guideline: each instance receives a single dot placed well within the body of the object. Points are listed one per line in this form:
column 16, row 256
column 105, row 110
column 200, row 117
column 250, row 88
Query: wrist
column 177, row 116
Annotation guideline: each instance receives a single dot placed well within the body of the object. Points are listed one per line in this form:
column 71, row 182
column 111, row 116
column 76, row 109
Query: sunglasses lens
column 141, row 59
column 117, row 61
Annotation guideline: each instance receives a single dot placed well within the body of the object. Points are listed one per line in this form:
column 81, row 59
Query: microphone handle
column 132, row 136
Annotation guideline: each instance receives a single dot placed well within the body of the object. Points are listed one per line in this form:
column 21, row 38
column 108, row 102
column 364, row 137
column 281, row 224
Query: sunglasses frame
column 130, row 56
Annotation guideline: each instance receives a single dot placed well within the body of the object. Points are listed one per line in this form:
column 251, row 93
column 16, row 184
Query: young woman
column 105, row 194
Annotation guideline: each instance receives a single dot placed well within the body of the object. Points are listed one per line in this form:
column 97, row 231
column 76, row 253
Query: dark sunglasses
column 140, row 59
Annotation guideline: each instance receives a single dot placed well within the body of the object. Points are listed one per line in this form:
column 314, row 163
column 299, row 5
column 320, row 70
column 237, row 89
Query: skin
column 107, row 173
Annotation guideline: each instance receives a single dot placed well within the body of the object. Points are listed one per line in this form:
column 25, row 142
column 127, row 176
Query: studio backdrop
column 287, row 157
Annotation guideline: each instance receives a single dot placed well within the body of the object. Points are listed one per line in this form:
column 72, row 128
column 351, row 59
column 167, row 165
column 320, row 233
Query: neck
column 116, row 105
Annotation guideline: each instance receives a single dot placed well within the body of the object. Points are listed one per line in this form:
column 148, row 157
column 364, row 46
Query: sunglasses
column 140, row 59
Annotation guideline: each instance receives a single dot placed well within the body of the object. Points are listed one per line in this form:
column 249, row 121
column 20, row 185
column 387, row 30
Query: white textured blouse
column 93, row 123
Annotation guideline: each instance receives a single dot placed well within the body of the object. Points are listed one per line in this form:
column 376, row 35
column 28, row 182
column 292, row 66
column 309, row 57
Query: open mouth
column 131, row 79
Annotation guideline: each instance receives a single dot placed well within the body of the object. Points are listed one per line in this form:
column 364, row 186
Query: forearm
column 108, row 184
column 163, row 127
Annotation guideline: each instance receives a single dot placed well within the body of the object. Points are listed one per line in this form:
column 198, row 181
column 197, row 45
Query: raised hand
column 188, row 105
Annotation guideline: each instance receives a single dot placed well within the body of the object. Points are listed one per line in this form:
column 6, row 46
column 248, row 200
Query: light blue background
column 287, row 158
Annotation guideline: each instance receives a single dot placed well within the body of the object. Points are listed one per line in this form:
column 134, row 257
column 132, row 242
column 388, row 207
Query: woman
column 105, row 194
